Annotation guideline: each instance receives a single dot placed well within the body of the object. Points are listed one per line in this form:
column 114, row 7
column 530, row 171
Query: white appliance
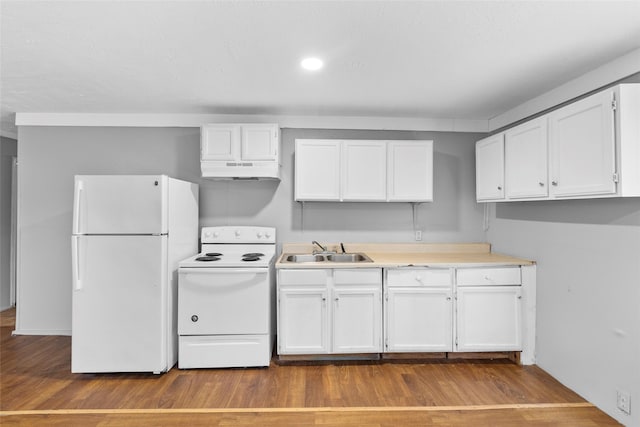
column 226, row 299
column 129, row 233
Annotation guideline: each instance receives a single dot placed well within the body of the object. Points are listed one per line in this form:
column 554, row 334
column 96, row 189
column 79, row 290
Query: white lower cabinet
column 418, row 310
column 488, row 309
column 340, row 311
column 302, row 323
column 329, row 311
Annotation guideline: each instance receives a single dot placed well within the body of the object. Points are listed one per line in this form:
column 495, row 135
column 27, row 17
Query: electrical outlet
column 418, row 235
column 624, row 401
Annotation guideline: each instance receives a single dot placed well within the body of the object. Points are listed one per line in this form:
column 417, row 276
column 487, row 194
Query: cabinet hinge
column 615, row 177
column 614, row 104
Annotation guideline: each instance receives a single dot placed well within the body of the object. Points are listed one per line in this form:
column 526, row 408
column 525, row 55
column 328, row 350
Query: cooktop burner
column 213, row 254
column 252, row 255
column 251, row 258
column 207, row 258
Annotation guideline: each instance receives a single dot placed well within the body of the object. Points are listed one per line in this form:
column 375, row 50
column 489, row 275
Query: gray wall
column 8, row 150
column 51, row 156
column 588, row 291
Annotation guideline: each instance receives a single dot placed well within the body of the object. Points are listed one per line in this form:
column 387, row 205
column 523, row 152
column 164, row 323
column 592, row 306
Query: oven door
column 224, row 301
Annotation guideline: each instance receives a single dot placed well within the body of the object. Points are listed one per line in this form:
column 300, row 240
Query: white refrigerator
column 129, row 233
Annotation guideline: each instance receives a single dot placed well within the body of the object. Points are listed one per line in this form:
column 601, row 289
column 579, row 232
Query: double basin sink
column 326, row 258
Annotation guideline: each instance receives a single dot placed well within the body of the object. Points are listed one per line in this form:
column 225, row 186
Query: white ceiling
column 433, row 59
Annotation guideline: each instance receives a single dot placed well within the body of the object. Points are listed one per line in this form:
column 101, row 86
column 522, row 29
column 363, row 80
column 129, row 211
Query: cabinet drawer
column 488, row 276
column 360, row 276
column 419, row 277
column 303, row 277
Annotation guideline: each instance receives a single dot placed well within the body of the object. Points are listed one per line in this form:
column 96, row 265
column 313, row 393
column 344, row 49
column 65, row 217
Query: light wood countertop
column 406, row 255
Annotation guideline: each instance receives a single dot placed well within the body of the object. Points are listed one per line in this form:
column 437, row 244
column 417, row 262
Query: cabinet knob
column 541, row 184
column 554, row 183
column 499, row 187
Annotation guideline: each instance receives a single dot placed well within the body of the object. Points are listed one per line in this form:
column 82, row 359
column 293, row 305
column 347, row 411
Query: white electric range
column 226, row 299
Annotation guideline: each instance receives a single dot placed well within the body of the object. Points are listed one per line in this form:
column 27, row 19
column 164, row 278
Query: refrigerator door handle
column 75, row 261
column 76, row 206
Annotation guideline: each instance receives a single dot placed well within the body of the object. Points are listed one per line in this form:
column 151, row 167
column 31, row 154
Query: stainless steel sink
column 348, row 258
column 328, row 258
column 305, row 258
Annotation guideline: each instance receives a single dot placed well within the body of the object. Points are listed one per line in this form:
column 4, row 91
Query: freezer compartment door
column 120, row 204
column 221, row 301
column 121, row 314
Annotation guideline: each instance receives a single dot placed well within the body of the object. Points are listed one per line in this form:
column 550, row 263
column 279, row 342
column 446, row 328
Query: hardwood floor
column 37, row 388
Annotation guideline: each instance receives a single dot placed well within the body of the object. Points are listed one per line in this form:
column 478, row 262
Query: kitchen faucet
column 324, row 249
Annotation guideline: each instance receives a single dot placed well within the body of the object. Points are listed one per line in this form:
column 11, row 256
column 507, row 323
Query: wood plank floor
column 37, row 388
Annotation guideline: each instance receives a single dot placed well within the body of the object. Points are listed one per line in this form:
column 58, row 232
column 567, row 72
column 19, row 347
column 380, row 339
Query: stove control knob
column 194, row 318
column 259, row 234
column 207, row 234
column 267, row 235
column 216, row 233
column 237, row 233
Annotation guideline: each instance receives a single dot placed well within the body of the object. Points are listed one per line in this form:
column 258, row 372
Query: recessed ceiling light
column 311, row 64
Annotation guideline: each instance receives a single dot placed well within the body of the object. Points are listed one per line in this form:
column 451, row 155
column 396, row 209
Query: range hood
column 216, row 169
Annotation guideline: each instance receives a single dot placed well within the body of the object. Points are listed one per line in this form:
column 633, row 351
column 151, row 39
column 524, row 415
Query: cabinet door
column 418, row 319
column 302, row 322
column 490, row 168
column 364, row 170
column 357, row 320
column 410, row 169
column 582, row 144
column 488, row 318
column 260, row 142
column 525, row 160
column 220, row 142
column 317, row 170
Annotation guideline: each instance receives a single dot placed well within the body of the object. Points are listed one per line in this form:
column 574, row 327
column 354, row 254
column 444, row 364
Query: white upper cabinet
column 582, row 142
column 260, row 142
column 525, row 148
column 233, row 150
column 410, row 171
column 220, row 142
column 317, row 169
column 490, row 168
column 363, row 170
column 587, row 149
